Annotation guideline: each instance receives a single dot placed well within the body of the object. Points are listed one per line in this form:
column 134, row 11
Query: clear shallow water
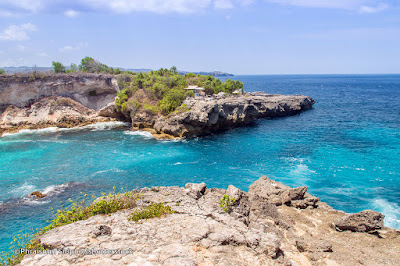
column 346, row 150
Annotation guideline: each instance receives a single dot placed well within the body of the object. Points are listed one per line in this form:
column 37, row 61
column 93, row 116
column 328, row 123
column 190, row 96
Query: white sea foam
column 106, row 125
column 178, row 163
column 32, row 131
column 57, row 189
column 48, row 130
column 141, row 133
column 301, row 170
column 20, row 191
column 391, row 211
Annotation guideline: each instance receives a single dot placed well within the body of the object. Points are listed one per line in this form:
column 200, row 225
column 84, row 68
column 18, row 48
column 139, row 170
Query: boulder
column 110, row 110
column 276, row 193
column 195, row 190
column 364, row 221
column 38, row 195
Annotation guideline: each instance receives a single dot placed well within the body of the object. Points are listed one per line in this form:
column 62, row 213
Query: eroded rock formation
column 51, row 111
column 92, row 90
column 255, row 230
column 211, row 115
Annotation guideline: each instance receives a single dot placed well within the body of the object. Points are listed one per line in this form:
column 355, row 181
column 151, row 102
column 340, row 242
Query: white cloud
column 12, row 7
column 223, row 4
column 71, row 13
column 17, row 33
column 43, row 54
column 21, row 47
column 27, row 5
column 157, row 6
column 69, row 48
column 364, row 6
column 371, row 9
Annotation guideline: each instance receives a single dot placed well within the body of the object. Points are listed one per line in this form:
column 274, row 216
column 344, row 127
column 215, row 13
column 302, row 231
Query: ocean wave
column 32, row 131
column 391, row 211
column 57, row 189
column 48, row 130
column 141, row 133
column 106, row 125
column 22, row 194
column 21, row 190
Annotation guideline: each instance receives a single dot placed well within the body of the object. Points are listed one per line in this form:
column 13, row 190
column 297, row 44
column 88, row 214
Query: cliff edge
column 272, row 224
column 208, row 115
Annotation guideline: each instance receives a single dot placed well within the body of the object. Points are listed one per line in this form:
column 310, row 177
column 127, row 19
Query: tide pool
column 346, row 150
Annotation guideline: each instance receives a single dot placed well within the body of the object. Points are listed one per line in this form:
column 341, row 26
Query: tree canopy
column 58, row 67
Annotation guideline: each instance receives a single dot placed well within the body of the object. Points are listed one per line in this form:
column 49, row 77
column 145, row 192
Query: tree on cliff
column 173, row 70
column 90, row 65
column 58, row 67
column 2, row 71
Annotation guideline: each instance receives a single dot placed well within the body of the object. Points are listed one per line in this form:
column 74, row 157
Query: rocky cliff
column 92, row 90
column 272, row 224
column 28, row 101
column 53, row 111
column 211, row 115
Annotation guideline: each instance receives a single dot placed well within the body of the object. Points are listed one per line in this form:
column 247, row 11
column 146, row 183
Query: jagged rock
column 196, row 190
column 50, row 111
column 38, row 194
column 91, row 90
column 363, row 221
column 102, row 230
column 314, row 246
column 110, row 110
column 279, row 194
column 210, row 115
column 234, row 193
column 200, row 232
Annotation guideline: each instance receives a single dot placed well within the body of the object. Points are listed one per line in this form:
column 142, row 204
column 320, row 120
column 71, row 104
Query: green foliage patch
column 151, row 211
column 225, row 202
column 167, row 88
column 77, row 211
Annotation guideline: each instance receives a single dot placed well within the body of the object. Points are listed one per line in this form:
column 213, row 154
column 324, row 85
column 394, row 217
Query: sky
column 235, row 36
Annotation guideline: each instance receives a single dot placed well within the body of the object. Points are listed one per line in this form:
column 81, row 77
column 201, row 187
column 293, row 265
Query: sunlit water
column 346, row 150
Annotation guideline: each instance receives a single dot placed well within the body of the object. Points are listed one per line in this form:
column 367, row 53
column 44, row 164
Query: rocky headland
column 271, row 224
column 73, row 100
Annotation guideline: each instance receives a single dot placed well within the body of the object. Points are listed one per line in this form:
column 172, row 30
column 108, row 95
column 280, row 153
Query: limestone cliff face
column 94, row 91
column 210, row 115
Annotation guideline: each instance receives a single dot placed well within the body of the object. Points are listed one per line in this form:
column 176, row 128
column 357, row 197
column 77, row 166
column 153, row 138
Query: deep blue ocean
column 346, row 150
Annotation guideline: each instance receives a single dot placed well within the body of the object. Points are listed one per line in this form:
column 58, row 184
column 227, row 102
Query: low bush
column 151, row 211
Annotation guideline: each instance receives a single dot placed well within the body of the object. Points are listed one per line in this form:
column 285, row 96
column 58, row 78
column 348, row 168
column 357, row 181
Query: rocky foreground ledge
column 272, row 224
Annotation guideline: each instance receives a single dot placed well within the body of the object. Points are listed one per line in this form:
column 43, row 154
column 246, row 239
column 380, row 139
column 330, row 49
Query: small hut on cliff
column 198, row 91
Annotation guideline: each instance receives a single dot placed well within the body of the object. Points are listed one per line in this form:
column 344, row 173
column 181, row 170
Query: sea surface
column 346, row 150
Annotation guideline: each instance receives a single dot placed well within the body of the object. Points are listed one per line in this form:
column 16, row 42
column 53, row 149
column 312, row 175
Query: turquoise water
column 346, row 150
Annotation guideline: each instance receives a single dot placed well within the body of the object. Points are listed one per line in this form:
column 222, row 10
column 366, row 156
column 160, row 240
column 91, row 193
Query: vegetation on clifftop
column 164, row 90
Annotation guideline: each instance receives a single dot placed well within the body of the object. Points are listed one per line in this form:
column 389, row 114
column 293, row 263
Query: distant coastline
column 25, row 69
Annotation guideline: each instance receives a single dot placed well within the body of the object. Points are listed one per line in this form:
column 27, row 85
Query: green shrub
column 151, row 211
column 77, row 211
column 225, row 202
column 167, row 88
column 58, row 67
column 151, row 108
column 172, row 99
column 2, row 71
